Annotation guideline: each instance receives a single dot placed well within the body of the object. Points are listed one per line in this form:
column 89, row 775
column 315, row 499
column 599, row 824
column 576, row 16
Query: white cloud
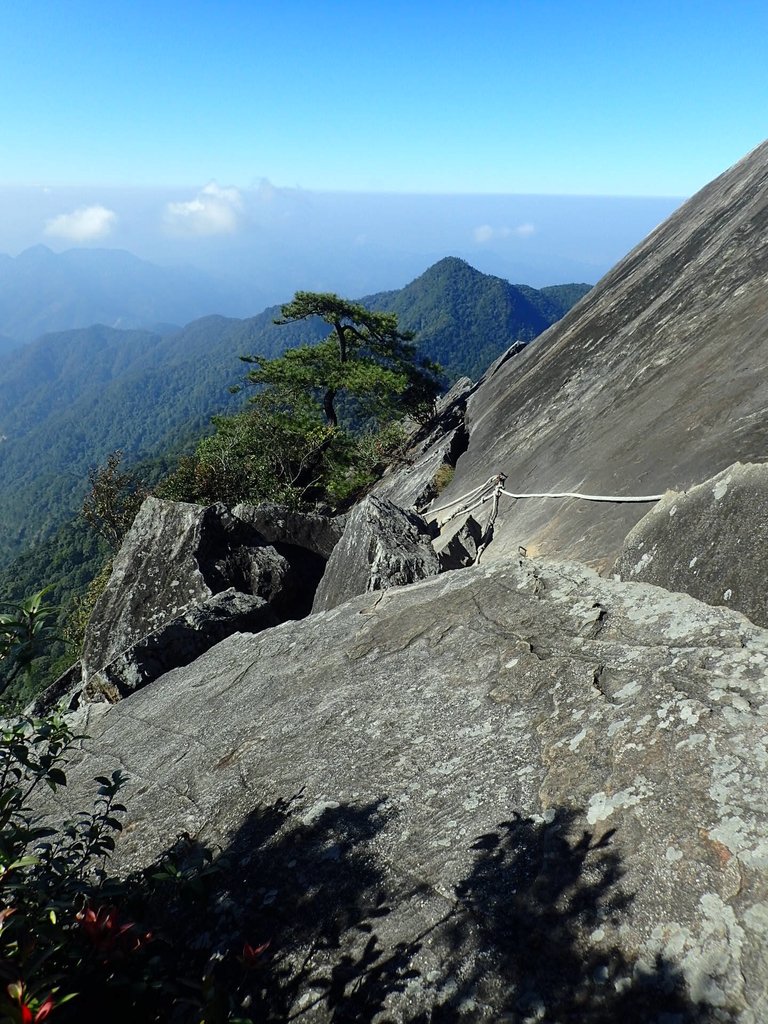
column 213, row 211
column 486, row 233
column 82, row 225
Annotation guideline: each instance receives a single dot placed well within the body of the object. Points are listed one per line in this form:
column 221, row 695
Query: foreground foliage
column 25, row 634
column 77, row 944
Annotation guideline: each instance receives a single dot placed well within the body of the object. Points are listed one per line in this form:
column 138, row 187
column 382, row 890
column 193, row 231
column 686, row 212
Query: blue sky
column 500, row 96
column 345, row 146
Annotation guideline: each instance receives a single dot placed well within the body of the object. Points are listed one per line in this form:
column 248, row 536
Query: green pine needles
column 325, row 419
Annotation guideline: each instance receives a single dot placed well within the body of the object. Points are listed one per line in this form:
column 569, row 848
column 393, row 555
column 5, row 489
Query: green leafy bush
column 75, row 942
column 48, row 877
column 25, row 634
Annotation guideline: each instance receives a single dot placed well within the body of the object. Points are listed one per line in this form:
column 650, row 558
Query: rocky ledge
column 516, row 792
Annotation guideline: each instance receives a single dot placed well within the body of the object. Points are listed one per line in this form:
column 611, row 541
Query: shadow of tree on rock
column 320, row 896
column 305, row 882
column 520, row 939
column 301, row 919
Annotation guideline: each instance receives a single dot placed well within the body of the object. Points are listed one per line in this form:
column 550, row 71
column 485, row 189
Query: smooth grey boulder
column 382, row 546
column 174, row 560
column 178, row 642
column 520, row 792
column 710, row 541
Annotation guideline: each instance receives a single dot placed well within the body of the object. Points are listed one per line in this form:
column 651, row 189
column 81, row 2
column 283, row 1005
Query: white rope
column 589, row 497
column 467, row 509
column 493, row 488
column 475, row 490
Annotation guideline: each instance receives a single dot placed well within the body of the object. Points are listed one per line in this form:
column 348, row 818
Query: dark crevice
column 307, row 568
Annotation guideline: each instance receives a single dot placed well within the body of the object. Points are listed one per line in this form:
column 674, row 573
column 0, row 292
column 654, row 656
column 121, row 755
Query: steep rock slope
column 655, row 380
column 514, row 792
column 711, row 542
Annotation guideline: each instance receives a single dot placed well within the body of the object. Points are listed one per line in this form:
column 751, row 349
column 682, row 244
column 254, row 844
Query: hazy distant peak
column 42, row 291
column 35, row 254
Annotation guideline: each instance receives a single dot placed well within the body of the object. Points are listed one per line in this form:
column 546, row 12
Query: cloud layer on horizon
column 486, row 233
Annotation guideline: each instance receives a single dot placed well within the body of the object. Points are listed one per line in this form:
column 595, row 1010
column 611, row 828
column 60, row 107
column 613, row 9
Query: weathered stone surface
column 711, row 542
column 179, row 642
column 460, row 549
column 518, row 792
column 176, row 558
column 415, row 480
column 654, row 381
column 382, row 546
column 279, row 525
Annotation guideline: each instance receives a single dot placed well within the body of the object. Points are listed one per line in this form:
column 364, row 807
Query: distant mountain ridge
column 492, row 313
column 68, row 399
column 42, row 291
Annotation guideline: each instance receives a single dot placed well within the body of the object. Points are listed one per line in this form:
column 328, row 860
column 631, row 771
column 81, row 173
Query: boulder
column 458, row 550
column 178, row 642
column 174, row 561
column 519, row 792
column 282, row 526
column 382, row 546
column 710, row 541
column 63, row 693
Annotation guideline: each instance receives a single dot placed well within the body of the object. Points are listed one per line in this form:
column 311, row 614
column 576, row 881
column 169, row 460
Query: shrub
column 48, row 877
column 442, row 477
column 25, row 634
column 75, row 945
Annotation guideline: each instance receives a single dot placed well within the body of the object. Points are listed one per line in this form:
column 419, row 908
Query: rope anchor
column 494, row 488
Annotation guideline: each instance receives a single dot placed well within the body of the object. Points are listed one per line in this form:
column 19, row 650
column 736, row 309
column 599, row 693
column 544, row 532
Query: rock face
column 433, row 450
column 711, row 542
column 654, row 381
column 525, row 792
column 284, row 527
column 382, row 546
column 174, row 557
column 187, row 576
column 460, row 550
column 178, row 642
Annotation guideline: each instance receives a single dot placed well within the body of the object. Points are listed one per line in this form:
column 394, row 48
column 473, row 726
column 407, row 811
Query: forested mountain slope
column 69, row 399
column 464, row 319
